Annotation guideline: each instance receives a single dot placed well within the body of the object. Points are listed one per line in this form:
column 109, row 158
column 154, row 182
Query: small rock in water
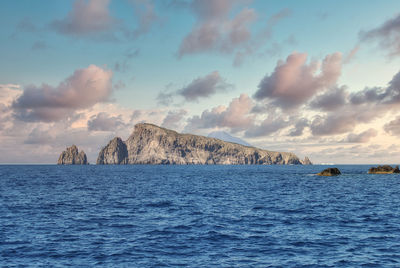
column 330, row 172
column 385, row 169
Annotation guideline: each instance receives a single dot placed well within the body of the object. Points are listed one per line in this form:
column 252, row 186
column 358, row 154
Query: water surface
column 198, row 216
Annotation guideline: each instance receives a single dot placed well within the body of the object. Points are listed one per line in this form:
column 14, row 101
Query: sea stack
column 150, row 144
column 306, row 161
column 72, row 156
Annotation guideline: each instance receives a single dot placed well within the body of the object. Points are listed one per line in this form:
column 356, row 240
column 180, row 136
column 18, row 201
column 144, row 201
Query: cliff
column 150, row 144
column 72, row 156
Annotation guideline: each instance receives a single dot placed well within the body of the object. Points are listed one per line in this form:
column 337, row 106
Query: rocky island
column 72, row 156
column 150, row 144
column 330, row 172
column 386, row 169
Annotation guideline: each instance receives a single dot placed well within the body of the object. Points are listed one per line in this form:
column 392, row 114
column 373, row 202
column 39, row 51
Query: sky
column 316, row 78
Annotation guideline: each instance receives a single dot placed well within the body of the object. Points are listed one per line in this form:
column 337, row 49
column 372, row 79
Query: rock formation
column 306, row 161
column 115, row 152
column 71, row 156
column 330, row 172
column 150, row 144
column 386, row 169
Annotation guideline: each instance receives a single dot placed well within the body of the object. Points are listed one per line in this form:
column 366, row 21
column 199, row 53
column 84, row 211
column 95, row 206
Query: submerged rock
column 385, row 169
column 150, row 144
column 330, row 172
column 72, row 156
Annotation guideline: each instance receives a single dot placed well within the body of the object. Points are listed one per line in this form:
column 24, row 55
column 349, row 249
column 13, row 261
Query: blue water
column 198, row 216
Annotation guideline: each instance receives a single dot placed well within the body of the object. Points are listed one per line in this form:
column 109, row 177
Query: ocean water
column 197, row 216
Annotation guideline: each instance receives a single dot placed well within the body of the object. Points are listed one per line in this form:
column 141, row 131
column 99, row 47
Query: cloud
column 236, row 116
column 173, row 119
column 268, row 126
column 351, row 55
column 86, row 18
column 294, row 82
column 344, row 120
column 124, row 65
column 331, row 100
column 299, row 127
column 145, row 12
column 83, row 89
column 393, row 127
column 387, row 96
column 104, row 122
column 362, row 137
column 215, row 30
column 204, row 87
column 387, row 34
column 201, row 87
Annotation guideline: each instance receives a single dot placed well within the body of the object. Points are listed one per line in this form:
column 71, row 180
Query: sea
column 197, row 216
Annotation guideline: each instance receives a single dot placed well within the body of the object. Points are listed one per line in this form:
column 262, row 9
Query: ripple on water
column 197, row 216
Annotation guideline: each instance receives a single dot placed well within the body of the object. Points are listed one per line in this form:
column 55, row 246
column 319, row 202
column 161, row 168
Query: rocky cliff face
column 150, row 144
column 115, row 153
column 71, row 156
column 306, row 161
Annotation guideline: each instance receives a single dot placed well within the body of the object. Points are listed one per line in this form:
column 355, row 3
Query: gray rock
column 150, row 144
column 72, row 156
column 306, row 161
column 115, row 153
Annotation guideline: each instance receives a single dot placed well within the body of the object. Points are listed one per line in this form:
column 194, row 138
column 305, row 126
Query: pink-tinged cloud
column 215, row 30
column 86, row 17
column 294, row 82
column 236, row 116
column 83, row 89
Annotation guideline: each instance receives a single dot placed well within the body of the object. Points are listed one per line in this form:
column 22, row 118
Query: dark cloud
column 86, row 18
column 378, row 95
column 294, row 82
column 236, row 116
column 299, row 127
column 362, row 137
column 173, row 119
column 104, row 122
column 331, row 100
column 201, row 87
column 387, row 34
column 204, row 87
column 83, row 89
column 393, row 127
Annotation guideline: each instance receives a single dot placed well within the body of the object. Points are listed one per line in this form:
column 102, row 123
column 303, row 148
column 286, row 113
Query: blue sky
column 140, row 45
